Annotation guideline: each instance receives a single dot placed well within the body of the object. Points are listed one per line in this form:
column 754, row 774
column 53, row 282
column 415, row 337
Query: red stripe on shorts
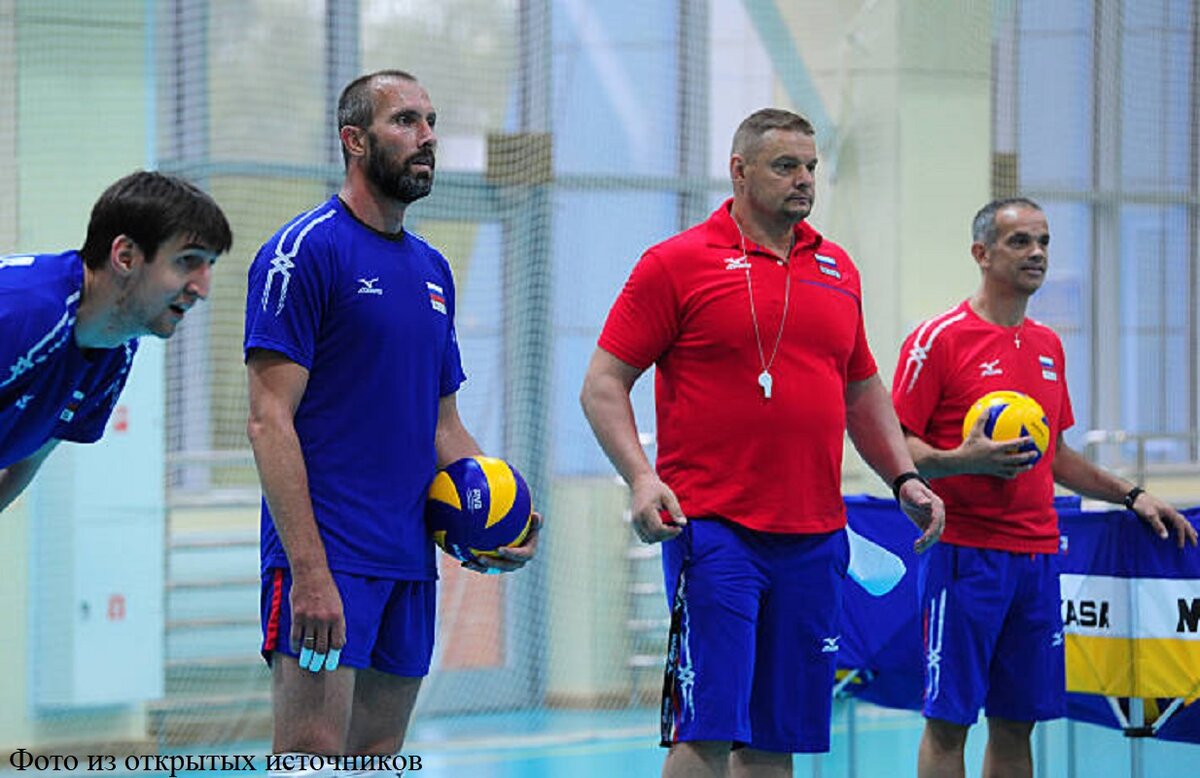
column 271, row 640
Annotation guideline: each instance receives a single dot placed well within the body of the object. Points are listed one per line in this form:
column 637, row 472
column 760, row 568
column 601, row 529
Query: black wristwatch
column 902, row 478
column 1131, row 496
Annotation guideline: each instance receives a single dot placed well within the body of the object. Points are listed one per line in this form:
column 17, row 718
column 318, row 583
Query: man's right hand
column 1001, row 458
column 650, row 496
column 318, row 624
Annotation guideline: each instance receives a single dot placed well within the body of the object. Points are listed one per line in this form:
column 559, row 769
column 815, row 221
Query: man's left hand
column 510, row 558
column 1158, row 514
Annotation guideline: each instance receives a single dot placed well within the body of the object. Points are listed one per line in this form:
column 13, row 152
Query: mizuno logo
column 680, row 672
column 990, row 368
column 114, row 389
column 830, row 645
column 368, row 286
column 935, row 619
column 916, row 360
column 282, row 264
column 736, row 263
column 23, row 402
column 922, row 342
column 49, row 343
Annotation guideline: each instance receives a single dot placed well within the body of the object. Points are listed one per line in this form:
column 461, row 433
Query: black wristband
column 902, row 478
column 1131, row 496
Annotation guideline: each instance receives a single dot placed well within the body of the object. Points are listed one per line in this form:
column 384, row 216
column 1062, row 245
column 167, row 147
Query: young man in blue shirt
column 71, row 321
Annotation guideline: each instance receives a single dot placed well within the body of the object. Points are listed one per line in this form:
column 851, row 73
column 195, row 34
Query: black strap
column 903, row 478
column 1131, row 496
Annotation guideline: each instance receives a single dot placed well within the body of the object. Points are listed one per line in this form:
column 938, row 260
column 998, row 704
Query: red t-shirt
column 723, row 448
column 948, row 363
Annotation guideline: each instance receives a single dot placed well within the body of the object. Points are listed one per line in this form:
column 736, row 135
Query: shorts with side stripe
column 754, row 636
column 993, row 635
column 389, row 623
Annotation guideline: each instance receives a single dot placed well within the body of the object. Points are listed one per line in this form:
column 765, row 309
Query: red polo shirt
column 723, row 448
column 948, row 363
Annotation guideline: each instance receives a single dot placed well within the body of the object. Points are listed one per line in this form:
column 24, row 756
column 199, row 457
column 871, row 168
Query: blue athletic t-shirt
column 49, row 387
column 371, row 316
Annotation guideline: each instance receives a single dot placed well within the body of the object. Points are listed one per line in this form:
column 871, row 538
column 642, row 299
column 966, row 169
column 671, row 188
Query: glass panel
column 1156, row 364
column 1055, row 110
column 615, row 100
column 465, row 52
column 1064, row 302
column 592, row 261
column 1156, row 106
column 263, row 117
column 1040, row 17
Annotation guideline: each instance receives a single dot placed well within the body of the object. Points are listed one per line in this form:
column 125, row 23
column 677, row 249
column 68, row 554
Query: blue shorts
column 993, row 634
column 754, row 636
column 389, row 623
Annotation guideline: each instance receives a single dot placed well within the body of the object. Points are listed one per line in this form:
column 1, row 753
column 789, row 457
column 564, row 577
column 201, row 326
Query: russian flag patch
column 827, row 265
column 436, row 297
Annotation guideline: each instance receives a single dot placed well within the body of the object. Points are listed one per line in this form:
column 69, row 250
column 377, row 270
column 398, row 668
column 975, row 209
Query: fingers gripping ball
column 476, row 505
column 1010, row 415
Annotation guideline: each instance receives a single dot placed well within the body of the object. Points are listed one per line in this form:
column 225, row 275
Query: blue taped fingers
column 316, row 662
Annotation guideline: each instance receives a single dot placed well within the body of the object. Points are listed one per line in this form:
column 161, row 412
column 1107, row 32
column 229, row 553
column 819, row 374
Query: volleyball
column 476, row 505
column 1010, row 415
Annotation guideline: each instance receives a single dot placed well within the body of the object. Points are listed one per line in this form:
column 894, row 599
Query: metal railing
column 1095, row 440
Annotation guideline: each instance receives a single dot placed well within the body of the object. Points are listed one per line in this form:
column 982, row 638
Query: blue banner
column 1131, row 612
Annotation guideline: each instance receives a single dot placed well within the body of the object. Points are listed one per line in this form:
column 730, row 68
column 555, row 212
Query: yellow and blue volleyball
column 1010, row 415
column 477, row 505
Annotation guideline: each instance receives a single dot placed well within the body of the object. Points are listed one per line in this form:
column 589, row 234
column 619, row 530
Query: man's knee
column 383, row 706
column 754, row 759
column 1008, row 734
column 311, row 711
column 945, row 736
column 710, row 752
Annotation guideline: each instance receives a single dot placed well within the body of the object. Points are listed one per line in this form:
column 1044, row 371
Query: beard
column 397, row 180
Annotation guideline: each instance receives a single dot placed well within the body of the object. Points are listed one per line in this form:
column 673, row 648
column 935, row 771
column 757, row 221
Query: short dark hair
column 151, row 208
column 757, row 124
column 356, row 105
column 983, row 226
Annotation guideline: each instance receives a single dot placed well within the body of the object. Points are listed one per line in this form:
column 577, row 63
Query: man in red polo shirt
column 754, row 322
column 990, row 595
